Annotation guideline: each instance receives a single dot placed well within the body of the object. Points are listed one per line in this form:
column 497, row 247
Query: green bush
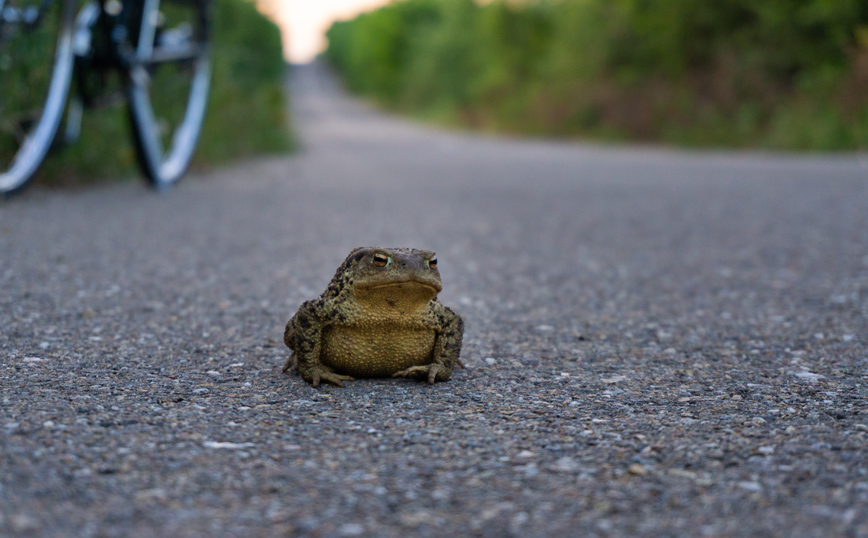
column 247, row 109
column 776, row 73
column 371, row 51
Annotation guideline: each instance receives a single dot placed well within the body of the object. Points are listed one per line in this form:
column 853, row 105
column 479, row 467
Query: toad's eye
column 432, row 263
column 381, row 260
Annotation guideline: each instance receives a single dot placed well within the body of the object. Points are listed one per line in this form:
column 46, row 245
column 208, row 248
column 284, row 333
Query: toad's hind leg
column 291, row 362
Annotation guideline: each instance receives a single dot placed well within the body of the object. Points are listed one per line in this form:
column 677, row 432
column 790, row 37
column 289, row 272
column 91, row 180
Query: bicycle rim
column 36, row 64
column 168, row 86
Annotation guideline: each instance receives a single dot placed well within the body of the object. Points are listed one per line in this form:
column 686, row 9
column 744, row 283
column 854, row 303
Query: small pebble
column 566, row 464
column 228, row 445
column 351, row 529
column 637, row 469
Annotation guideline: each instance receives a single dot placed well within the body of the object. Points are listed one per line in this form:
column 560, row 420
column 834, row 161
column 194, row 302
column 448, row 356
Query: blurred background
column 775, row 74
column 304, row 23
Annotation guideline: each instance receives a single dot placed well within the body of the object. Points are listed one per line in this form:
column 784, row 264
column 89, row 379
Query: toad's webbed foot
column 316, row 374
column 319, row 373
column 433, row 372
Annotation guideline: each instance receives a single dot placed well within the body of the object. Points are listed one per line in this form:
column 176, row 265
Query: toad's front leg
column 447, row 348
column 319, row 373
column 433, row 372
column 303, row 336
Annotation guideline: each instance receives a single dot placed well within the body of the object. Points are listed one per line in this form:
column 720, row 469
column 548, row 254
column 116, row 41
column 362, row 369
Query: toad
column 378, row 317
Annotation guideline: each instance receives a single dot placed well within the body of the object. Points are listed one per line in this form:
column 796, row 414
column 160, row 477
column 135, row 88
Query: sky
column 304, row 22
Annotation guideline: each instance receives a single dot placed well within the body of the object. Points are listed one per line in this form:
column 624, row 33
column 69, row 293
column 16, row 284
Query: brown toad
column 378, row 317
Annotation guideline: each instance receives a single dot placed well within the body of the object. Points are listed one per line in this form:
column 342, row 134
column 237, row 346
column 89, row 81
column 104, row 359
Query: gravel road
column 658, row 343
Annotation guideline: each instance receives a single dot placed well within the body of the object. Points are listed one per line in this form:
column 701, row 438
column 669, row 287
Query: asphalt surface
column 658, row 343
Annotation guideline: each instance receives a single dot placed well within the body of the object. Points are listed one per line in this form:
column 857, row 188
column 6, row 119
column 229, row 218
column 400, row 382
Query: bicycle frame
column 122, row 20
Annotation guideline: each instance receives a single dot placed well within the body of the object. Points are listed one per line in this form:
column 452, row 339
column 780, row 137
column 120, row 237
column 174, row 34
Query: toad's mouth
column 409, row 281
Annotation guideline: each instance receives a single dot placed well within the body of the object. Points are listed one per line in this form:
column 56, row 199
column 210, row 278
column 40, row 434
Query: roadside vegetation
column 783, row 74
column 247, row 109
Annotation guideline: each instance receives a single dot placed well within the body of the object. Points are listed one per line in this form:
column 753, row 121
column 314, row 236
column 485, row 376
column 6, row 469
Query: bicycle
column 158, row 51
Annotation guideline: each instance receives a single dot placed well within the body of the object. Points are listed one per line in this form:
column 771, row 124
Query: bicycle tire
column 18, row 165
column 165, row 163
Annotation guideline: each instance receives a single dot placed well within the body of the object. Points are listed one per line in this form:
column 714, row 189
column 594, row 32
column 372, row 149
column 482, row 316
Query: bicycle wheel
column 169, row 78
column 36, row 63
